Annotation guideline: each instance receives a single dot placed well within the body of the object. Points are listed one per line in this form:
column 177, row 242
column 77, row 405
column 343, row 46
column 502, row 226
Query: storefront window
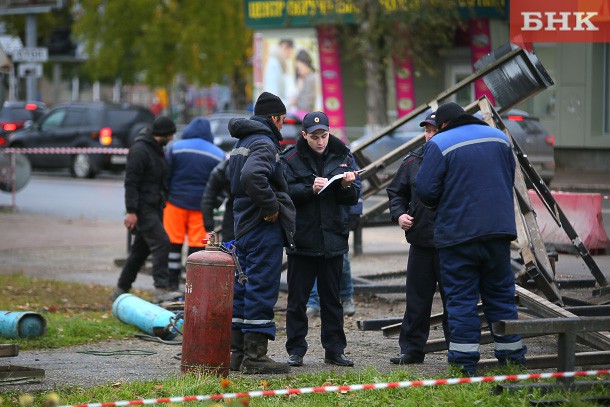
column 543, row 104
column 455, row 74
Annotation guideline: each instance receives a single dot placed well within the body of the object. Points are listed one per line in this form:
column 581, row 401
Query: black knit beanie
column 163, row 126
column 447, row 112
column 268, row 104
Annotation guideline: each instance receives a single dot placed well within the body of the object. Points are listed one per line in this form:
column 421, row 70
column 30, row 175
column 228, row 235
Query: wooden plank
column 377, row 324
column 599, row 358
column 20, row 374
column 7, row 350
column 546, row 309
column 545, row 326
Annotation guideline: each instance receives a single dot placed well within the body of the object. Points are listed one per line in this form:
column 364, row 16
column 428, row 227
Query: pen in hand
column 318, row 184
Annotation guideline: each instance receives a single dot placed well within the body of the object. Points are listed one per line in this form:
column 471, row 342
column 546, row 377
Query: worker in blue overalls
column 264, row 223
column 468, row 173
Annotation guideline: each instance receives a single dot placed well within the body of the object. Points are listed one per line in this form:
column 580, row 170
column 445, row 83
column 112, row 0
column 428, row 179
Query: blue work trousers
column 470, row 270
column 260, row 256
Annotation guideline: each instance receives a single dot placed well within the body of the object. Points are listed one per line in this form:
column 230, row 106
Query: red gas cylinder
column 208, row 309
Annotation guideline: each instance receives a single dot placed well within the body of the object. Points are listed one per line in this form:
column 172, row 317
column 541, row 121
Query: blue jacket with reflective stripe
column 191, row 161
column 258, row 185
column 467, row 174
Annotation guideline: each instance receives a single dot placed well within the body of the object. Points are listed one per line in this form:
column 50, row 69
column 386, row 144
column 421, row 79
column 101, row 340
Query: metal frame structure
column 375, row 184
column 537, row 266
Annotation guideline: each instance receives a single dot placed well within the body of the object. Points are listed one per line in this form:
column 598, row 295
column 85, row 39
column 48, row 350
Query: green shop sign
column 309, row 13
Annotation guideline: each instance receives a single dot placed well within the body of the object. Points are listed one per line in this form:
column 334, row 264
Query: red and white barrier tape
column 354, row 387
column 65, row 150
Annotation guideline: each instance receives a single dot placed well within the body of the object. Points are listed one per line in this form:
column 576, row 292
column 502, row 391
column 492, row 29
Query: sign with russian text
column 30, row 54
column 560, row 21
column 10, row 7
column 310, row 13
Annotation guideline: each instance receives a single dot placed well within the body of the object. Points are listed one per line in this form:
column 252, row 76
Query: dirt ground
column 82, row 250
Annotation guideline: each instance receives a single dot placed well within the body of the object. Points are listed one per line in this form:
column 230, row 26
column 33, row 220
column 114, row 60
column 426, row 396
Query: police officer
column 423, row 269
column 321, row 236
column 468, row 173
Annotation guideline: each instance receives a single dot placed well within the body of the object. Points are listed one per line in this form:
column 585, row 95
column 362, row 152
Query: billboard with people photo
column 287, row 64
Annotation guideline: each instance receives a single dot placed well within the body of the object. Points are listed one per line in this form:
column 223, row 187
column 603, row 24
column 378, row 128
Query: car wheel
column 81, row 166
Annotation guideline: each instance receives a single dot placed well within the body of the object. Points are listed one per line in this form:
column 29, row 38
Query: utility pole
column 30, row 55
column 31, row 31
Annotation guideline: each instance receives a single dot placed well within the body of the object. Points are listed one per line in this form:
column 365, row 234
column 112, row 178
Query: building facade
column 576, row 109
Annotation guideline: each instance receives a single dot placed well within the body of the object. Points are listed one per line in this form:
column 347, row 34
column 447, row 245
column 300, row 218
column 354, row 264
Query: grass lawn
column 79, row 314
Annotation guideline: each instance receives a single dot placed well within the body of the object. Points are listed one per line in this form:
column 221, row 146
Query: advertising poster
column 287, row 64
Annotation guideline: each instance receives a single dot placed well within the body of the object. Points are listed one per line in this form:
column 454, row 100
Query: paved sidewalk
column 573, row 180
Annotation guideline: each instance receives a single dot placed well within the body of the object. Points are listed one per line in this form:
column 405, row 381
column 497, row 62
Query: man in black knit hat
column 145, row 197
column 264, row 223
column 467, row 174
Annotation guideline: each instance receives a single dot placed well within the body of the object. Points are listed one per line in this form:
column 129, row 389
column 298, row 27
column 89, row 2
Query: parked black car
column 14, row 115
column 527, row 130
column 220, row 122
column 82, row 124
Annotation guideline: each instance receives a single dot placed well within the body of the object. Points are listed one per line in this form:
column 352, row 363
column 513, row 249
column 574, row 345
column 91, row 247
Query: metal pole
column 12, row 84
column 75, row 88
column 13, row 182
column 116, row 91
column 56, row 82
column 30, row 41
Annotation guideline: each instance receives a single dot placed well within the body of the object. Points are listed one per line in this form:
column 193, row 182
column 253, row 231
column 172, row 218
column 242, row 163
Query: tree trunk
column 376, row 91
column 237, row 84
column 372, row 51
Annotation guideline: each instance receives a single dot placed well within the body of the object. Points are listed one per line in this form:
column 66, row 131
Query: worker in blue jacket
column 467, row 174
column 191, row 161
column 264, row 223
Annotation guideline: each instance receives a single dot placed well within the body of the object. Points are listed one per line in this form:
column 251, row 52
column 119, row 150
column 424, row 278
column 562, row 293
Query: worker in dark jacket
column 321, row 237
column 216, row 192
column 191, row 161
column 264, row 223
column 468, row 173
column 145, row 197
column 423, row 269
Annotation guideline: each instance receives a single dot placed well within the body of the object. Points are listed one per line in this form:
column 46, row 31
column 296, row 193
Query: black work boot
column 237, row 349
column 256, row 360
column 175, row 266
